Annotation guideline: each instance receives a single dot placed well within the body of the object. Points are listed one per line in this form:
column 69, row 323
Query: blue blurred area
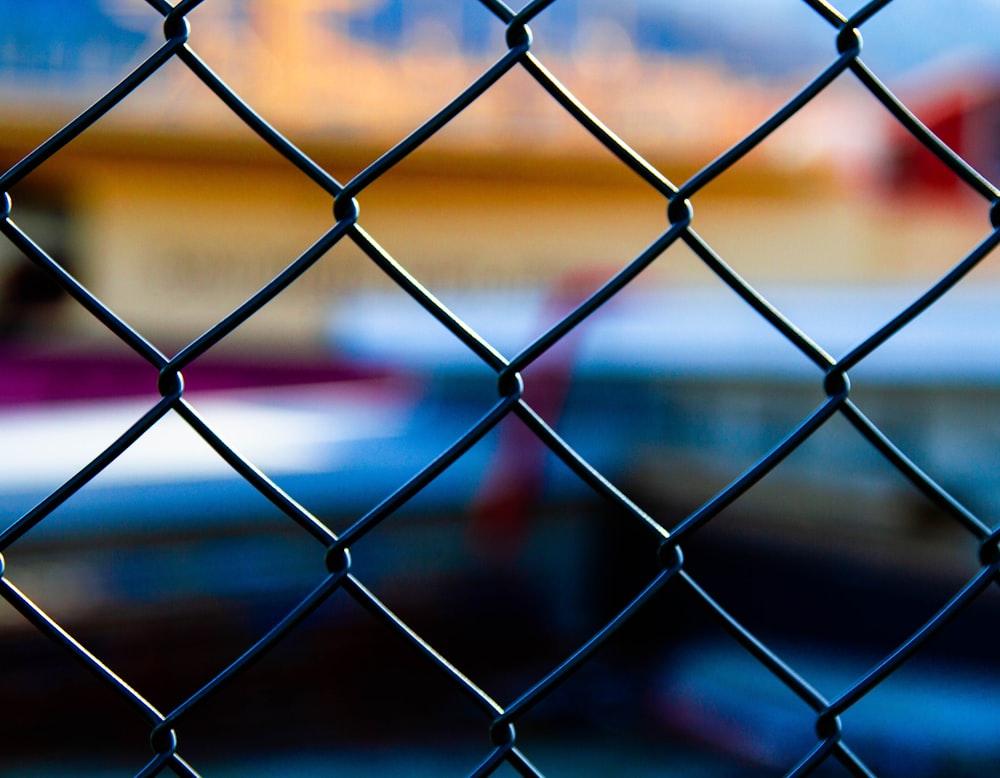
column 60, row 44
column 57, row 40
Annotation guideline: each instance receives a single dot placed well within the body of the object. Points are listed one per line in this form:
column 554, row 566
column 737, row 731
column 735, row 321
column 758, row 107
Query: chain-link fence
column 661, row 599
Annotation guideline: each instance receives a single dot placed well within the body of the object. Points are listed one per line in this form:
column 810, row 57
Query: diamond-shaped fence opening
column 607, row 528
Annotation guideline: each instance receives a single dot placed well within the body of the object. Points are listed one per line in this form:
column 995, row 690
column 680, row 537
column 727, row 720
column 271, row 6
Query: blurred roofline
column 489, row 160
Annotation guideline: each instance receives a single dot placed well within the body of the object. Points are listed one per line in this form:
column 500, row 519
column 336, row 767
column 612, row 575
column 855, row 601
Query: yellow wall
column 173, row 235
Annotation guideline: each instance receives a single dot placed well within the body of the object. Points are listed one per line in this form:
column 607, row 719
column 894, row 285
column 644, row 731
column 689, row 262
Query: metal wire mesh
column 664, row 536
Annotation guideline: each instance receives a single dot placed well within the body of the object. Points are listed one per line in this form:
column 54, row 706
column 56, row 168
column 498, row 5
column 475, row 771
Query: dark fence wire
column 500, row 719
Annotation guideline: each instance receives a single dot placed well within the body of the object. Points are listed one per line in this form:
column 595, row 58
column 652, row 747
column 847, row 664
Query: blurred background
column 172, row 212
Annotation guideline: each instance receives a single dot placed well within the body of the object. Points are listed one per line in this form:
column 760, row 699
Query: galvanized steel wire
column 666, row 537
